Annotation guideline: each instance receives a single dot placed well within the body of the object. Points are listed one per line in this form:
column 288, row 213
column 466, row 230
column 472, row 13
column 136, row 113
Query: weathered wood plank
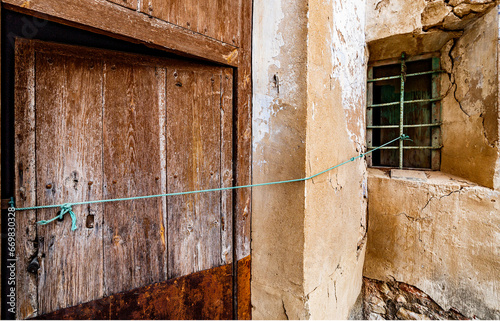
column 107, row 18
column 69, row 169
column 131, row 4
column 243, row 155
column 193, row 162
column 181, row 238
column 218, row 19
column 244, row 134
column 207, row 156
column 226, row 170
column 161, row 77
column 25, row 193
column 134, row 232
column 135, row 59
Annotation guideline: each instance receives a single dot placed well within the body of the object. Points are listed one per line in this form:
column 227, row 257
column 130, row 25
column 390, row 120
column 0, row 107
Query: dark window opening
column 418, row 80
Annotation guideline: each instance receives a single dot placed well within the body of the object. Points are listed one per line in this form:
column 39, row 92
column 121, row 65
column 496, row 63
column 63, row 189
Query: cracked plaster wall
column 418, row 26
column 308, row 239
column 444, row 239
column 442, row 235
column 279, row 129
column 470, row 108
column 335, row 217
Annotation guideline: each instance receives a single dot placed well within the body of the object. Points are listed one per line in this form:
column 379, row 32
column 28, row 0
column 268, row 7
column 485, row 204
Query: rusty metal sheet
column 202, row 295
column 244, row 304
column 93, row 310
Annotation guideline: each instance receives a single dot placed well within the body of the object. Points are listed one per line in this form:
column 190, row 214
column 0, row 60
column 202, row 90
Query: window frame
column 436, row 108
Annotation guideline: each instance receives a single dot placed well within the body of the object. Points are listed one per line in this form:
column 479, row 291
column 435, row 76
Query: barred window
column 403, row 98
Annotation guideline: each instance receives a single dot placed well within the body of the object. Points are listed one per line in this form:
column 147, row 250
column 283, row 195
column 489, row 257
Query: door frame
column 242, row 133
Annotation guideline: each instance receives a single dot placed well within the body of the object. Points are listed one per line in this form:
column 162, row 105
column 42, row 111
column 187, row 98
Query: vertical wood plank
column 244, row 134
column 193, row 163
column 207, row 127
column 161, row 76
column 181, row 238
column 25, row 193
column 69, row 169
column 133, row 238
column 226, row 170
column 243, row 156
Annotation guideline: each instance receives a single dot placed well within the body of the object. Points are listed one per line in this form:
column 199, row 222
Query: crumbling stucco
column 470, row 107
column 279, row 130
column 308, row 239
column 386, row 18
column 441, row 236
column 335, row 221
column 418, row 27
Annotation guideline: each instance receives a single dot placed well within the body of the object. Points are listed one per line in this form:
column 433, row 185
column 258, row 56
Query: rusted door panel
column 112, row 125
column 198, row 296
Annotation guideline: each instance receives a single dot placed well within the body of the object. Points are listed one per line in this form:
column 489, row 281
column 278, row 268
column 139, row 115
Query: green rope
column 68, row 207
column 65, row 208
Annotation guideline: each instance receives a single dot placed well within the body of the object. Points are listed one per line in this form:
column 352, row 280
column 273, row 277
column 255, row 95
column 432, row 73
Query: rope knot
column 65, row 208
column 405, row 137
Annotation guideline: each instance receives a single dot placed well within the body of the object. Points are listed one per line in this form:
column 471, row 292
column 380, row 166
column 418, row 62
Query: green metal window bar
column 403, row 76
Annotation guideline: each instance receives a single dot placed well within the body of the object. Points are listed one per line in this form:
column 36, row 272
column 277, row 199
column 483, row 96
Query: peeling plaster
column 349, row 66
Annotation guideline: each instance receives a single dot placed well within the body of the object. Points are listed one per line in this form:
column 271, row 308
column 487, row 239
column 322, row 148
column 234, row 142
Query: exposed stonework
column 453, row 15
column 420, row 26
column 394, row 300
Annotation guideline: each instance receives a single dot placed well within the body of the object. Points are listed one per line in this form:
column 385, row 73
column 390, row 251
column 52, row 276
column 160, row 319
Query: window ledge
column 419, row 177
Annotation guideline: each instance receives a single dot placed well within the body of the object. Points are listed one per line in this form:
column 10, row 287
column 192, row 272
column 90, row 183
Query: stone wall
column 309, row 78
column 394, row 300
column 418, row 26
column 387, row 18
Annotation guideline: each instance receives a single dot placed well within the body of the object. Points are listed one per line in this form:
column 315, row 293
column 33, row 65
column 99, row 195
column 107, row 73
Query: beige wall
column 335, row 216
column 304, row 235
column 442, row 234
column 470, row 108
column 279, row 131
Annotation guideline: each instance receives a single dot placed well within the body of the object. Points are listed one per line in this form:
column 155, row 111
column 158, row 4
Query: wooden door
column 94, row 124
